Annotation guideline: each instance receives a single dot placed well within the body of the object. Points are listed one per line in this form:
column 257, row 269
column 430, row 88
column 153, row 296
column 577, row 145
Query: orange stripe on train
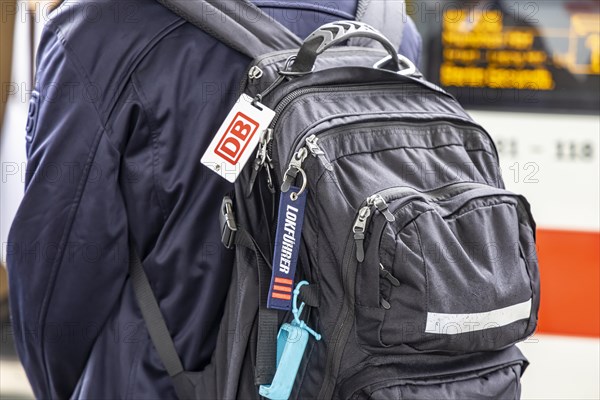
column 570, row 282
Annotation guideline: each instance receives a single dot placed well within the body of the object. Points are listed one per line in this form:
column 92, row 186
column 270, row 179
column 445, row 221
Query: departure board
column 541, row 55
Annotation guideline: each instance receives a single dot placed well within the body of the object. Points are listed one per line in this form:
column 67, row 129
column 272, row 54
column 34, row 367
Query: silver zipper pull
column 382, row 206
column 255, row 73
column 359, row 228
column 270, row 180
column 261, row 153
column 385, row 304
column 293, row 168
column 261, row 157
column 266, row 139
column 315, row 150
column 384, row 273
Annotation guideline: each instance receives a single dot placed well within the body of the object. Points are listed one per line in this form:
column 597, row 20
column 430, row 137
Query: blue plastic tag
column 291, row 344
column 287, row 246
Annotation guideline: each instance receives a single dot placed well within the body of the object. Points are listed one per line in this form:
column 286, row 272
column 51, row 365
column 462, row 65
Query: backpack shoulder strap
column 387, row 16
column 244, row 27
column 238, row 24
column 157, row 328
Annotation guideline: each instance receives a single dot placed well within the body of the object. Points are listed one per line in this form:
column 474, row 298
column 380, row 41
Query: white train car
column 529, row 72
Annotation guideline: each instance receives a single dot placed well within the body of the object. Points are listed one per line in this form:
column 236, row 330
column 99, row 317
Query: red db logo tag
column 236, row 138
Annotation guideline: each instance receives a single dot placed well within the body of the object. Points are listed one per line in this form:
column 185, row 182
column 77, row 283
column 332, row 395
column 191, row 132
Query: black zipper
column 343, row 327
column 376, row 123
column 290, row 97
column 437, row 194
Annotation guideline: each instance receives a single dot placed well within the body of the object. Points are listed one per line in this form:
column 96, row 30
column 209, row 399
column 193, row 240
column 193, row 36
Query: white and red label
column 237, row 138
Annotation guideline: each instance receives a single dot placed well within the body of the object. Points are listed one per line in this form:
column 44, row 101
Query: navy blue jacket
column 127, row 97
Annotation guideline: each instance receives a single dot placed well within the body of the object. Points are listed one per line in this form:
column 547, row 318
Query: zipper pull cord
column 255, row 73
column 262, row 159
column 385, row 274
column 382, row 206
column 315, row 149
column 360, row 225
column 359, row 228
column 270, row 184
column 385, row 304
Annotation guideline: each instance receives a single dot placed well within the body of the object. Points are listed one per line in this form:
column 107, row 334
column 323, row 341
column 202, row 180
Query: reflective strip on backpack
column 452, row 324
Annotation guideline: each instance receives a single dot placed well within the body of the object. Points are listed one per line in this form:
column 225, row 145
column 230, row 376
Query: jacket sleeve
column 411, row 46
column 67, row 250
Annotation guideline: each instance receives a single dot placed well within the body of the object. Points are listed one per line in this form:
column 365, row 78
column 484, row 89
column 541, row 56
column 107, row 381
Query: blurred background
column 528, row 71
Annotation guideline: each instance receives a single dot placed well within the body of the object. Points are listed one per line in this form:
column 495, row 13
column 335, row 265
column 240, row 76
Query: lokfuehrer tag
column 237, row 137
column 287, row 247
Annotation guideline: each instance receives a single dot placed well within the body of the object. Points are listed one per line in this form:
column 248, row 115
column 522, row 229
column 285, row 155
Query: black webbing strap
column 268, row 326
column 244, row 27
column 237, row 23
column 309, row 294
column 268, row 323
column 157, row 328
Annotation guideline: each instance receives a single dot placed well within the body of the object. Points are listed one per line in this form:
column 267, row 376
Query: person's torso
column 167, row 85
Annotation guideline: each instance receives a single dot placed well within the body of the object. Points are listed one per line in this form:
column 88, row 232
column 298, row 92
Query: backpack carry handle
column 335, row 33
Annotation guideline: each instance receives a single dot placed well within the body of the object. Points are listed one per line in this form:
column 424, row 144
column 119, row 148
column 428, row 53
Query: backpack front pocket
column 454, row 271
column 497, row 377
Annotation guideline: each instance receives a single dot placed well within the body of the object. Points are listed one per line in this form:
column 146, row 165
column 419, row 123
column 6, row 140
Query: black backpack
column 377, row 253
